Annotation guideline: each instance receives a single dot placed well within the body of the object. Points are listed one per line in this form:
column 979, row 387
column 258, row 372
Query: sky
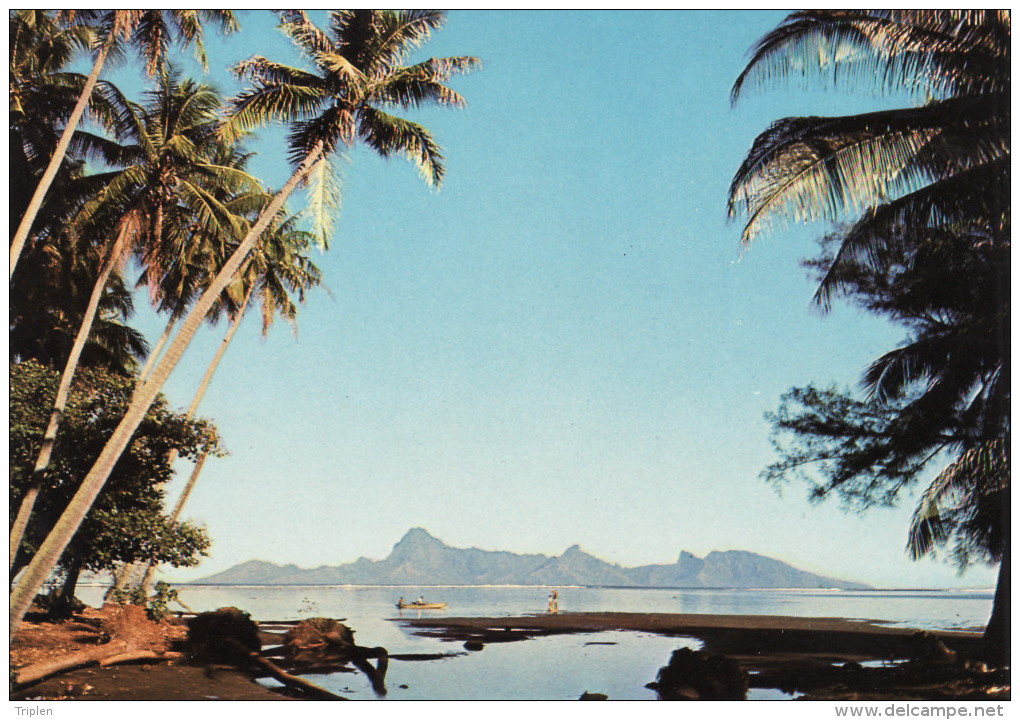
column 563, row 344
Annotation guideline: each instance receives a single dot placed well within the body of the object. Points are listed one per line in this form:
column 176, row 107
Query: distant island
column 421, row 559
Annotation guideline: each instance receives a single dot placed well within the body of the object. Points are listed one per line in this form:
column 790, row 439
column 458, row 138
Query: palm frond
column 978, row 474
column 398, row 32
column 152, row 37
column 418, row 84
column 946, row 203
column 255, row 107
column 935, row 53
column 303, row 32
column 324, row 199
column 810, row 168
column 388, row 134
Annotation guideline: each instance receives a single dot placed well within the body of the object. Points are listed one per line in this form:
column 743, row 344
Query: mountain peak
column 574, row 550
column 414, row 542
column 418, row 534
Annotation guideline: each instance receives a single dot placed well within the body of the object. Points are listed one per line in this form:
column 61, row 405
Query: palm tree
column 42, row 95
column 185, row 262
column 149, row 31
column 49, row 298
column 357, row 67
column 277, row 269
column 929, row 248
column 165, row 156
column 945, row 159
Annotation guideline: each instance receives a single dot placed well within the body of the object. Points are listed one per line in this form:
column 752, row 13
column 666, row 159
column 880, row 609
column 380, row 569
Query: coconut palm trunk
column 199, row 394
column 53, row 546
column 21, row 235
column 156, row 350
column 996, row 636
column 207, row 378
column 195, row 472
column 63, row 390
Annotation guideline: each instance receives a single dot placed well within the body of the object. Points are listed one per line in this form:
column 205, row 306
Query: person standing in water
column 553, row 602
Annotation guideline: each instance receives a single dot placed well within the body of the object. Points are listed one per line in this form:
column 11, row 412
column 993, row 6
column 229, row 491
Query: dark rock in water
column 473, row 645
column 324, row 634
column 696, row 675
column 593, row 696
column 208, row 634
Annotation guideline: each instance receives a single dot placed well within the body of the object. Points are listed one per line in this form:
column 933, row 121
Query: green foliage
column 156, row 608
column 127, row 521
column 839, row 445
column 929, row 249
column 966, row 506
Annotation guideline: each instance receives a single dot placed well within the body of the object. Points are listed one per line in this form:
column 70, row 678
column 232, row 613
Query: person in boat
column 420, row 600
column 401, row 600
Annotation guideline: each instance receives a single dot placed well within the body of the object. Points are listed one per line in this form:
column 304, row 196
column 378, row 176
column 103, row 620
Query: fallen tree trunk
column 140, row 655
column 41, row 670
column 113, row 653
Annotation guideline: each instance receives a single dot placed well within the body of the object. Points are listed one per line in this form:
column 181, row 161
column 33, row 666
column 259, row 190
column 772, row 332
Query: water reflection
column 560, row 666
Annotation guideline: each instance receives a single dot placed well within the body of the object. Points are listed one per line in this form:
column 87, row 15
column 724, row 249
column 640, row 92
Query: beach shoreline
column 816, row 658
column 811, row 657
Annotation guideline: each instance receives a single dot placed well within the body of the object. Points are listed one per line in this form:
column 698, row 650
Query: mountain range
column 421, row 559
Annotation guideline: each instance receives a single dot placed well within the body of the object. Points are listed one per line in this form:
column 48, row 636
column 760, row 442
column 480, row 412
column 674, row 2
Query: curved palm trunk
column 199, row 394
column 49, row 552
column 195, row 472
column 21, row 235
column 154, row 353
column 63, row 390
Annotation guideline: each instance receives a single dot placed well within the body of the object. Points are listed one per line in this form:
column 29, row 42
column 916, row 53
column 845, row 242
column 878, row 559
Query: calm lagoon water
column 560, row 666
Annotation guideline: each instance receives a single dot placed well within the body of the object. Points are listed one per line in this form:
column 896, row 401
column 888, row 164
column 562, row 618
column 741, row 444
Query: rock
column 208, row 632
column 473, row 645
column 696, row 675
column 593, row 696
column 323, row 633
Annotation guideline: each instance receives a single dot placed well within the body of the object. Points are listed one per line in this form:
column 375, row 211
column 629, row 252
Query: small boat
column 421, row 606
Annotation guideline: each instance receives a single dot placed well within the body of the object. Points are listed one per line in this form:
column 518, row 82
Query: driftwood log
column 286, row 678
column 113, row 653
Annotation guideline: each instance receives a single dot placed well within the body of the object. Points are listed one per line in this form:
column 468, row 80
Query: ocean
column 559, row 667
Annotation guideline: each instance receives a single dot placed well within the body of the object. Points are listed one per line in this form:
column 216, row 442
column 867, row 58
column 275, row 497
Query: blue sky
column 565, row 343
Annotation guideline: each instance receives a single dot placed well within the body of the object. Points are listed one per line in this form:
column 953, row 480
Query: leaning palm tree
column 164, row 166
column 149, row 32
column 277, row 271
column 184, row 261
column 356, row 68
